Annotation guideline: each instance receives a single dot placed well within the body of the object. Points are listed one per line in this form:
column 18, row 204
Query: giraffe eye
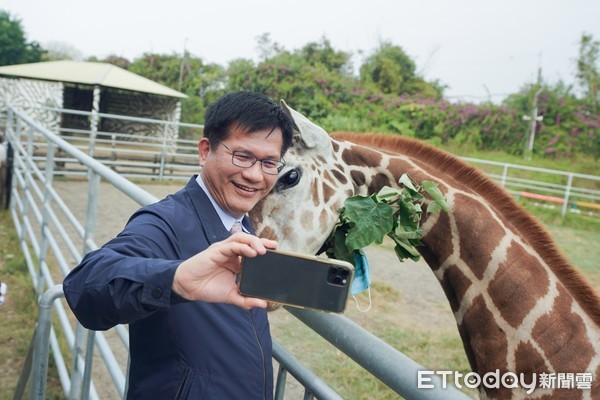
column 288, row 180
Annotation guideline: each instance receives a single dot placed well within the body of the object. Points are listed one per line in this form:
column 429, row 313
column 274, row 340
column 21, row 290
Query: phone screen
column 297, row 280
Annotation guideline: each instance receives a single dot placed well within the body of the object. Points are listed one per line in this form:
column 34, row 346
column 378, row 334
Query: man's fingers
column 269, row 244
column 248, row 302
column 243, row 244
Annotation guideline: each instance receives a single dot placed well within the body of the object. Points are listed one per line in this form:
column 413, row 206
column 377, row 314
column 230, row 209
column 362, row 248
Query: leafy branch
column 395, row 212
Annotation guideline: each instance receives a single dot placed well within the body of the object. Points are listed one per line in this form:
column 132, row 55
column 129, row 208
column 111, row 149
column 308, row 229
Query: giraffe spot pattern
column 315, row 193
column 479, row 234
column 488, row 345
column 533, row 281
column 306, row 220
column 323, row 217
column 459, row 250
column 455, row 285
column 562, row 335
column 358, row 178
column 363, row 158
column 529, row 360
column 437, row 246
column 378, row 181
column 339, row 177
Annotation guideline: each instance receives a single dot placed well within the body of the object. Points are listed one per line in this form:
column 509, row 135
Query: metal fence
column 52, row 240
column 571, row 191
column 165, row 157
column 152, row 152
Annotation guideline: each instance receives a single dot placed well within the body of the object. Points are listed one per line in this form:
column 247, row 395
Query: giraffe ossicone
column 520, row 307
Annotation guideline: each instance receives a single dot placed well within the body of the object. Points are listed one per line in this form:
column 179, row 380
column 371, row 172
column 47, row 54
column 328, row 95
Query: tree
column 310, row 78
column 587, row 70
column 115, row 60
column 62, row 51
column 266, row 47
column 567, row 128
column 322, row 53
column 187, row 74
column 14, row 47
column 393, row 72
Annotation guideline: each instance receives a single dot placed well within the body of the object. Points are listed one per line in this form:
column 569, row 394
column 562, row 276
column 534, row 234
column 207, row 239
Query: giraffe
column 518, row 304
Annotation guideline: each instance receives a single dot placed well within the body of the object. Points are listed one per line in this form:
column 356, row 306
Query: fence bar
column 76, row 372
column 567, row 193
column 89, row 357
column 280, row 383
column 121, row 117
column 26, row 371
column 306, row 377
column 379, row 358
column 44, row 222
column 132, row 190
column 526, row 167
column 42, row 342
column 504, row 175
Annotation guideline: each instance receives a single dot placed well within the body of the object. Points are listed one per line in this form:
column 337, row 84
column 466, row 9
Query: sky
column 481, row 49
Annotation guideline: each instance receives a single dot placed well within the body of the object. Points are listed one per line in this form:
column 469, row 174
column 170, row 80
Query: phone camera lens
column 337, row 280
column 344, row 273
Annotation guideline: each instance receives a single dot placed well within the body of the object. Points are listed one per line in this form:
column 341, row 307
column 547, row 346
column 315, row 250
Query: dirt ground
column 423, row 302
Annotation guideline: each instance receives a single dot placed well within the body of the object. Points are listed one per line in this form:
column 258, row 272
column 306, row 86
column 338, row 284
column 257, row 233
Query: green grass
column 18, row 311
column 18, row 314
column 551, row 216
column 437, row 350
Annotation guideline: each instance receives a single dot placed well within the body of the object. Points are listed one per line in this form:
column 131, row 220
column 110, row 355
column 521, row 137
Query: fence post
column 95, row 119
column 76, row 374
column 45, row 209
column 163, row 154
column 41, row 348
column 3, row 174
column 567, row 194
column 6, row 167
column 80, row 380
column 26, row 172
column 87, row 372
column 504, row 175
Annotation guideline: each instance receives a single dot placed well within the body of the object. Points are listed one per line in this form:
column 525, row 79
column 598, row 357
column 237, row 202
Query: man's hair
column 249, row 111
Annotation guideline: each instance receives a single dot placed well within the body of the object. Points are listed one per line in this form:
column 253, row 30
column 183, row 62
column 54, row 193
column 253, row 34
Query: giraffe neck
column 518, row 305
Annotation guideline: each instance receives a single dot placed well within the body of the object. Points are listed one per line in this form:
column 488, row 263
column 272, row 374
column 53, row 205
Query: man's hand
column 210, row 275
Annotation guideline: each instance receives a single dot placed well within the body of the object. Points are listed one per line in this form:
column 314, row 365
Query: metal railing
column 154, row 150
column 164, row 156
column 571, row 190
column 52, row 240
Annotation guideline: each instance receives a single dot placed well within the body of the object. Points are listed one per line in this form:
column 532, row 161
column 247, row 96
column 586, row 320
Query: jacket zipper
column 262, row 353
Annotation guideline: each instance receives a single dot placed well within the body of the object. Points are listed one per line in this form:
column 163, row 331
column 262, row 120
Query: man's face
column 237, row 189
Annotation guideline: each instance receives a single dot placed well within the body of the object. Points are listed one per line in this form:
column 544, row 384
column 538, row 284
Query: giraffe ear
column 311, row 135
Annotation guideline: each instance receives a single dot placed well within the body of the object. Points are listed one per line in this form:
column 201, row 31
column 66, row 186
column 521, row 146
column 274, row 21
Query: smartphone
column 297, row 280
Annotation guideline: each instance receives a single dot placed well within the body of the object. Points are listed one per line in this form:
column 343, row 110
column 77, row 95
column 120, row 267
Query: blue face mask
column 362, row 278
column 362, row 273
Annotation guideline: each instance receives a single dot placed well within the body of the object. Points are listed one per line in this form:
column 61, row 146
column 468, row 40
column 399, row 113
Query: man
column 172, row 269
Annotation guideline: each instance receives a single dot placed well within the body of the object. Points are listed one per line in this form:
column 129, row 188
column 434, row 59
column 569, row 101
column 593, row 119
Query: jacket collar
column 210, row 220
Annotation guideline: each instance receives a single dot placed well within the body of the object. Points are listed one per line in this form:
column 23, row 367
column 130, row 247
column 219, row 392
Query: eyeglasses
column 245, row 160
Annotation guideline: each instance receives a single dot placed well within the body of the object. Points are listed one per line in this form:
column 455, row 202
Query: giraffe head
column 301, row 210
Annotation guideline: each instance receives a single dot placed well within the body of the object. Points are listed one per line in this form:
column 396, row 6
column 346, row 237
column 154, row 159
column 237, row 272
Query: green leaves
column 395, row 212
column 370, row 221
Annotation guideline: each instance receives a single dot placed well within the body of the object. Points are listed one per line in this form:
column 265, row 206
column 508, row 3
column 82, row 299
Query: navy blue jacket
column 179, row 349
